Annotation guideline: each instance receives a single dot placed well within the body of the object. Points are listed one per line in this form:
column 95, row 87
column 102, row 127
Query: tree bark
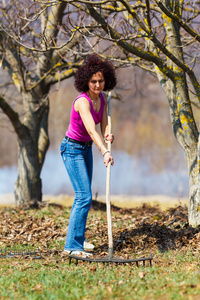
column 35, row 62
column 188, row 140
column 184, row 125
column 28, row 187
column 194, row 199
column 32, row 148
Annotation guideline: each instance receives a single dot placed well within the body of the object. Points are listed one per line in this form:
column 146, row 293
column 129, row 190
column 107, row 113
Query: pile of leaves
column 148, row 229
column 139, row 231
column 30, row 228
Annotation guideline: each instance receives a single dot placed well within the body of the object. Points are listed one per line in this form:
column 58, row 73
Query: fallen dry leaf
column 141, row 274
column 143, row 230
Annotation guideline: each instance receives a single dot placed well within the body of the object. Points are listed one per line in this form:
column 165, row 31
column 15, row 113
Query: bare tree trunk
column 32, row 148
column 34, row 66
column 181, row 114
column 194, row 201
column 187, row 138
column 28, row 189
column 186, row 133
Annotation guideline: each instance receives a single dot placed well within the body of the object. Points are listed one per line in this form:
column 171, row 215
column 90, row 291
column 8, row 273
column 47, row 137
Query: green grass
column 38, row 280
column 175, row 274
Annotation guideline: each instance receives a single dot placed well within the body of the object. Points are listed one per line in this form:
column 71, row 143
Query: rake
column 109, row 258
column 8, row 253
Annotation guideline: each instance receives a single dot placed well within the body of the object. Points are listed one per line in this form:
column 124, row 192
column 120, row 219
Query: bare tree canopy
column 38, row 48
column 42, row 42
column 163, row 38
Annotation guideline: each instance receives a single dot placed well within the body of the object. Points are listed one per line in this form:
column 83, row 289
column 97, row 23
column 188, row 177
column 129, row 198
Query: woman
column 88, row 109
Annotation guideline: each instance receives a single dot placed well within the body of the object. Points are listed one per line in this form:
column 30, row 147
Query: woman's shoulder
column 81, row 96
column 81, row 101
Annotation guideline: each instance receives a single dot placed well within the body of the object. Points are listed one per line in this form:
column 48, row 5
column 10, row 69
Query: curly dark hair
column 91, row 66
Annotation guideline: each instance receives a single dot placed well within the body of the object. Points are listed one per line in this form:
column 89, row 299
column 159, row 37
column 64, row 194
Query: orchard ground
column 140, row 230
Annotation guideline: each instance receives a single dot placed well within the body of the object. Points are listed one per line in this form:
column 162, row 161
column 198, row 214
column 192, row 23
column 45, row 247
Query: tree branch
column 153, row 38
column 130, row 48
column 148, row 13
column 57, row 77
column 189, row 30
column 33, row 49
column 55, row 18
column 73, row 41
column 60, row 76
column 13, row 117
column 14, row 67
column 43, row 140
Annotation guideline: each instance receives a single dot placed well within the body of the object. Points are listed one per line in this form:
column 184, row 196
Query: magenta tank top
column 76, row 129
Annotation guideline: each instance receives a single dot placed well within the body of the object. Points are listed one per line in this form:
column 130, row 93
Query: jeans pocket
column 62, row 149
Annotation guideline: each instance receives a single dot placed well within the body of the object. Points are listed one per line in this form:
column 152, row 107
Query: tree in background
column 163, row 38
column 36, row 51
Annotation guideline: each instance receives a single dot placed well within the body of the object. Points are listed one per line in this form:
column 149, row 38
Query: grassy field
column 137, row 232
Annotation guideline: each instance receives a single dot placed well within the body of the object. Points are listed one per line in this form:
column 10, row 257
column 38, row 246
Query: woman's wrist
column 107, row 151
column 102, row 148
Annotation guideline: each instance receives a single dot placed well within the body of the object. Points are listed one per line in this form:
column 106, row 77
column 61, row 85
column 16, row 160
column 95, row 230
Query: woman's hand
column 109, row 138
column 108, row 158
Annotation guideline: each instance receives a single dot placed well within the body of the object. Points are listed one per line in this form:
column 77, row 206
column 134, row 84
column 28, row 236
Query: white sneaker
column 88, row 246
column 79, row 253
column 67, row 251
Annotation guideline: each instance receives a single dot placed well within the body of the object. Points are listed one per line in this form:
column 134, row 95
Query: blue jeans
column 78, row 162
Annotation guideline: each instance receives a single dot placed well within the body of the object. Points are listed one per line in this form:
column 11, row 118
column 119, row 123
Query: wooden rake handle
column 108, row 205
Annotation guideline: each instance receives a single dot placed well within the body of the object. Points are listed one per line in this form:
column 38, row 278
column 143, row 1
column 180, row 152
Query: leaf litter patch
column 136, row 232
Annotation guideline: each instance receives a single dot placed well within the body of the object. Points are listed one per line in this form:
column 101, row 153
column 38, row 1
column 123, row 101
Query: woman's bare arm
column 83, row 107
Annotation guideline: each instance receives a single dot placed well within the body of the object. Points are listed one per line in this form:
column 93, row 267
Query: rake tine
column 151, row 257
column 114, row 260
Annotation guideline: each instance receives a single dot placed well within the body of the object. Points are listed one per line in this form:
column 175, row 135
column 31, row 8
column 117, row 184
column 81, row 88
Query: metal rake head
column 112, row 260
column 8, row 253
